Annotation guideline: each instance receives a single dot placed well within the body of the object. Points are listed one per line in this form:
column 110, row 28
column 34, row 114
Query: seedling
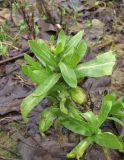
column 57, row 72
column 89, row 125
column 116, row 113
column 3, row 50
column 6, row 40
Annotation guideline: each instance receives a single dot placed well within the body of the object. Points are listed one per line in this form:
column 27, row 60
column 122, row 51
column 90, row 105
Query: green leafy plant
column 6, row 40
column 57, row 72
column 116, row 113
column 22, row 26
column 3, row 50
column 3, row 38
column 89, row 125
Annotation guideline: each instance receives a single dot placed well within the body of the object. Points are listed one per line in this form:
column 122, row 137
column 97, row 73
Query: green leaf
column 29, row 103
column 46, row 120
column 41, row 91
column 58, row 49
column 92, row 121
column 100, row 66
column 117, row 106
column 68, row 56
column 62, row 107
column 73, row 111
column 32, row 62
column 37, row 76
column 74, row 41
column 68, row 75
column 119, row 115
column 108, row 140
column 75, row 125
column 59, row 87
column 73, row 57
column 79, row 150
column 42, row 52
column 104, row 112
column 110, row 97
column 62, row 39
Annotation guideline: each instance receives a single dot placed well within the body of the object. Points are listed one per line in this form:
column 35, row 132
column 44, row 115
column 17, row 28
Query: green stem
column 79, row 150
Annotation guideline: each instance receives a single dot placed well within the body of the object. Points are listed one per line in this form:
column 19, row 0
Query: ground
column 103, row 23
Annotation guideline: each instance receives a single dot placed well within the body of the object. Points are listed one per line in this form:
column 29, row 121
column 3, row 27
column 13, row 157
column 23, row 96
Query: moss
column 8, row 141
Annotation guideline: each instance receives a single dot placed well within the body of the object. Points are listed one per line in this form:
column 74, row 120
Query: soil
column 104, row 30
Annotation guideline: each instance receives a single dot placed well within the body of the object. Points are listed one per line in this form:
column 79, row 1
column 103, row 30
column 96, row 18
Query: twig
column 14, row 58
column 3, row 17
column 106, row 154
column 9, row 44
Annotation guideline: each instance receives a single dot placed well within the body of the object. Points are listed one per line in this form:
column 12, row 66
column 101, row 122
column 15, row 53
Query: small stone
column 97, row 23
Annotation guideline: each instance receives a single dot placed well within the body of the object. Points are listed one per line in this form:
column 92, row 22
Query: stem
column 78, row 151
column 106, row 153
column 116, row 120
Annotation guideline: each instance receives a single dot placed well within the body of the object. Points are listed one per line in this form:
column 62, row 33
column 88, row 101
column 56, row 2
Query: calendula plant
column 57, row 72
column 89, row 125
column 116, row 113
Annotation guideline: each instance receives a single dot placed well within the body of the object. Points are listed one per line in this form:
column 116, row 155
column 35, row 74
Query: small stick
column 106, row 153
column 14, row 58
column 9, row 44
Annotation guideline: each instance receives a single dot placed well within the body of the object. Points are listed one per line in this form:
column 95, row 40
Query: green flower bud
column 78, row 95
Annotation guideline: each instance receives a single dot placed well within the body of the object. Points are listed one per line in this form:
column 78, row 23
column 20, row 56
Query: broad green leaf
column 41, row 91
column 67, row 57
column 73, row 111
column 61, row 39
column 42, row 52
column 79, row 150
column 73, row 57
column 110, row 97
column 59, row 87
column 29, row 103
column 75, row 125
column 74, row 41
column 100, row 66
column 46, row 120
column 104, row 112
column 108, row 140
column 91, row 120
column 119, row 115
column 89, row 116
column 68, row 75
column 37, row 76
column 58, row 49
column 116, row 107
column 32, row 62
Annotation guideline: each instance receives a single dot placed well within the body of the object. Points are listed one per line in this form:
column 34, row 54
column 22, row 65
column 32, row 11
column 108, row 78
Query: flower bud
column 78, row 95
